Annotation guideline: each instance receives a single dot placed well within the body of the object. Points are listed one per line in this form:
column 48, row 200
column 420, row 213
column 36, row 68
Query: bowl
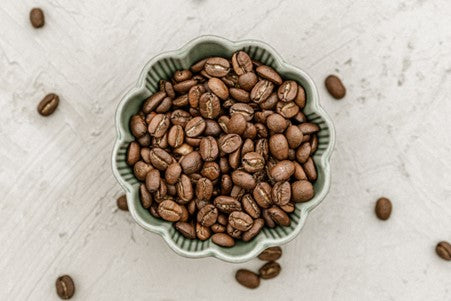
column 161, row 67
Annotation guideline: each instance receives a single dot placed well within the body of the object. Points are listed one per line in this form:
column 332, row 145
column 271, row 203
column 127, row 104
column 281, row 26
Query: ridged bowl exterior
column 162, row 67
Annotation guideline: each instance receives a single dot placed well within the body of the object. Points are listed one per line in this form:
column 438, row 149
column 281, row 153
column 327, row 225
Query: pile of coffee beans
column 223, row 149
column 269, row 270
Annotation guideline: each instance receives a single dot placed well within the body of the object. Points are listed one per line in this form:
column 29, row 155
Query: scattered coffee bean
column 383, row 208
column 247, row 278
column 37, row 18
column 335, row 87
column 443, row 250
column 65, row 287
column 271, row 254
column 122, row 202
column 48, row 104
column 269, row 270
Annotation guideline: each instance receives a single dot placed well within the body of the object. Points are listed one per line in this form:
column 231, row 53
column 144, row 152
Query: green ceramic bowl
column 161, row 67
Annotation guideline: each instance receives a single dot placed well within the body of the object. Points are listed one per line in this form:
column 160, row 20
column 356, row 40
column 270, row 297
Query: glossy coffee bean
column 383, row 208
column 230, row 143
column 261, row 91
column 121, row 203
column 240, row 220
column 287, row 91
column 262, row 194
column 269, row 73
column 159, row 125
column 281, row 193
column 153, row 101
column 37, row 18
column 140, row 170
column 282, row 171
column 250, row 206
column 247, row 81
column 153, row 180
column 209, row 105
column 204, row 189
column 208, row 215
column 247, row 278
column 443, row 249
column 218, row 87
column 278, row 146
column 195, row 127
column 176, row 136
column 237, row 124
column 186, row 229
column 173, row 173
column 271, row 254
column 65, row 287
column 145, row 196
column 170, row 211
column 202, row 232
column 269, row 270
column 227, row 204
column 241, row 63
column 191, row 163
column 160, row 159
column 217, row 67
column 310, row 169
column 253, row 162
column 208, row 149
column 335, row 87
column 294, row 136
column 276, row 123
column 254, row 230
column 279, row 216
column 244, row 109
column 48, row 104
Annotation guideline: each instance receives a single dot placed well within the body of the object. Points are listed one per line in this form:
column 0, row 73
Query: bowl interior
column 161, row 68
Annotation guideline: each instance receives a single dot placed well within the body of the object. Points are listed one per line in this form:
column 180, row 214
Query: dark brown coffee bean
column 204, row 189
column 144, row 140
column 247, row 81
column 306, row 138
column 287, row 109
column 282, row 171
column 278, row 146
column 276, row 123
column 145, row 196
column 308, row 128
column 160, row 159
column 138, row 126
column 176, row 136
column 262, row 116
column 230, row 143
column 262, row 130
column 170, row 211
column 281, row 193
column 180, row 117
column 271, row 254
column 269, row 73
column 217, row 228
column 207, row 215
column 211, row 170
column 161, row 142
column 288, row 91
column 279, row 216
column 237, row 192
column 65, row 287
column 235, row 233
column 241, row 63
column 212, row 128
column 202, row 232
column 209, row 105
column 250, row 206
column 314, row 143
column 254, row 230
column 267, row 218
column 243, row 179
column 261, row 91
column 237, row 124
column 234, row 159
column 182, row 75
column 288, row 208
column 154, row 210
column 194, row 95
column 133, row 153
column 167, row 87
column 186, row 229
column 262, row 194
column 294, row 136
column 198, row 66
column 218, row 87
column 269, row 270
column 250, row 132
column 153, row 102
column 217, row 67
column 244, row 109
column 140, row 170
column 184, row 86
column 223, row 122
column 195, row 127
column 262, row 148
column 227, row 204
column 248, row 146
column 194, row 142
column 247, row 278
column 303, row 152
column 185, row 214
column 173, row 173
column 231, row 79
column 191, row 163
column 383, row 208
column 223, row 240
column 184, row 189
column 270, row 102
column 224, row 165
column 335, row 87
column 226, row 184
column 300, row 97
column 253, row 162
column 49, row 104
column 310, row 169
column 183, row 150
column 121, row 203
column 153, row 180
column 159, row 125
column 443, row 250
column 208, row 149
column 240, row 94
column 181, row 101
column 302, row 191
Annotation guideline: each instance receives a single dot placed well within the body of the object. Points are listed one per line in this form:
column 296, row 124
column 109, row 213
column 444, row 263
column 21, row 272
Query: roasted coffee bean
column 262, row 116
column 335, row 87
column 185, row 214
column 184, row 189
column 223, row 122
column 294, row 136
column 237, row 192
column 300, row 97
column 176, row 136
column 230, row 143
column 254, row 230
column 270, row 254
column 181, row 101
column 186, row 229
column 223, row 240
column 281, row 193
column 160, row 159
column 250, row 206
column 243, row 179
column 121, row 203
column 209, row 105
column 278, row 146
column 234, row 159
column 183, row 149
column 194, row 95
column 308, row 128
column 224, row 165
column 170, row 211
column 202, row 232
column 240, row 94
column 37, row 18
column 282, row 171
column 262, row 194
column 140, row 170
column 235, row 233
column 184, row 86
column 302, row 191
column 222, row 220
column 212, row 128
column 180, row 117
column 211, row 170
column 144, row 140
column 145, row 196
column 247, row 81
column 182, row 75
column 253, row 162
column 276, row 123
column 267, row 218
column 204, row 189
column 153, row 102
column 262, row 131
column 159, row 125
column 262, row 148
column 65, row 287
column 288, row 208
column 226, row 184
column 241, row 62
column 217, row 67
column 227, row 204
column 191, row 163
column 261, row 91
column 269, row 270
column 208, row 149
column 287, row 91
column 207, row 215
column 218, row 87
column 217, row 228
column 279, row 216
column 244, row 109
column 231, row 79
column 167, row 87
column 314, row 143
column 287, row 109
column 161, row 142
column 153, row 180
column 270, row 102
column 303, row 152
column 247, row 278
column 195, row 127
column 198, row 66
column 248, row 146
column 250, row 132
column 154, row 210
column 383, row 208
column 138, row 126
column 133, row 153
column 194, row 142
column 237, row 124
column 310, row 169
column 269, row 73
column 443, row 249
column 49, row 104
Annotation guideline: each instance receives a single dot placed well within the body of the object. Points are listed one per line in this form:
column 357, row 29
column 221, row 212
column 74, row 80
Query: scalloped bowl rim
column 131, row 192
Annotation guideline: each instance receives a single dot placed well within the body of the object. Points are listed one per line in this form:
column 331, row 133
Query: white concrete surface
column 57, row 203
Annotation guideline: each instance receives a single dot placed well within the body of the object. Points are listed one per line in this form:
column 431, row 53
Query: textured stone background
column 57, row 207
